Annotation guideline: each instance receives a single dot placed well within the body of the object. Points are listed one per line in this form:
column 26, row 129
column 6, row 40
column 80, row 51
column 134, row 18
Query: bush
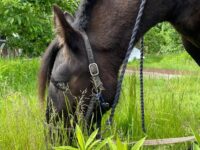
column 27, row 24
column 163, row 39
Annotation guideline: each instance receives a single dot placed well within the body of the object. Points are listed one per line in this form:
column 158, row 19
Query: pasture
column 171, row 107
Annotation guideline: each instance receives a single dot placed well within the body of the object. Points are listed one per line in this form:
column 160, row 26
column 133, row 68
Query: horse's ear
column 63, row 28
column 69, row 17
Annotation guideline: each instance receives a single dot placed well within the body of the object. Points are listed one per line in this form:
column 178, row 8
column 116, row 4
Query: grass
column 171, row 107
column 180, row 61
column 21, row 121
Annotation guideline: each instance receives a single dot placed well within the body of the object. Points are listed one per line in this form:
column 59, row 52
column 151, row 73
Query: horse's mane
column 81, row 21
column 84, row 13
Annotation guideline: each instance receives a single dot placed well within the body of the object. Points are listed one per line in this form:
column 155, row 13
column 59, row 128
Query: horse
column 108, row 25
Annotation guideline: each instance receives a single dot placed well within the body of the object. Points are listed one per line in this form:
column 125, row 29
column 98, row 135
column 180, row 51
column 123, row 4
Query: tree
column 27, row 24
column 163, row 39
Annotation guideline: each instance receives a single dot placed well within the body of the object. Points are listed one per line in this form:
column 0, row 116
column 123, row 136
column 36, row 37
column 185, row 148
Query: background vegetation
column 171, row 106
column 181, row 62
column 163, row 39
column 27, row 24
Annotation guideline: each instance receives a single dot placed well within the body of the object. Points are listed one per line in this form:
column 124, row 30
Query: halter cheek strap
column 97, row 98
column 93, row 67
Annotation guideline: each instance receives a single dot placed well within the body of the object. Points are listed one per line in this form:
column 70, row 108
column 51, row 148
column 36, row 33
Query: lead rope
column 142, row 85
column 125, row 62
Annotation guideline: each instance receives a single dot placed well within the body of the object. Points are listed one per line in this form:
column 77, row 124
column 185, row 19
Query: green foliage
column 124, row 146
column 121, row 145
column 82, row 144
column 197, row 136
column 27, row 24
column 163, row 39
column 171, row 107
column 18, row 75
column 138, row 145
column 94, row 144
column 196, row 146
column 180, row 61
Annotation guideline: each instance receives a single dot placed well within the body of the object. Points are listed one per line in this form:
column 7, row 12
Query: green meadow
column 172, row 61
column 171, row 105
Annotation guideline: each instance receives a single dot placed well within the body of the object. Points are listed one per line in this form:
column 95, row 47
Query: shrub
column 163, row 39
column 27, row 24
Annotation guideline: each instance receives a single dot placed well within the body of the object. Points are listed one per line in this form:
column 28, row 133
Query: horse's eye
column 63, row 86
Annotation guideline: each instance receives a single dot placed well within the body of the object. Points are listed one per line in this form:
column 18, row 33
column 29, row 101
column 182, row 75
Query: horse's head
column 70, row 69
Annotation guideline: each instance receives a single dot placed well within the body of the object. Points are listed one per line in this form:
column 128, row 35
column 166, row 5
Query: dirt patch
column 163, row 71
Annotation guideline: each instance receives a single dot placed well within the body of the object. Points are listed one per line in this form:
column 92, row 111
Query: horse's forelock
column 47, row 63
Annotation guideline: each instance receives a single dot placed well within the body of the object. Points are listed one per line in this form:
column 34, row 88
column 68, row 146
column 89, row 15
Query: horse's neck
column 188, row 21
column 112, row 22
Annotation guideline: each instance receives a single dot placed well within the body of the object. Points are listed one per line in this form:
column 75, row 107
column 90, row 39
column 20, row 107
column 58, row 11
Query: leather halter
column 93, row 67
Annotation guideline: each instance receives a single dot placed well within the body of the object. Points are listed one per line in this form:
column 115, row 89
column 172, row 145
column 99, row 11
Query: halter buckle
column 94, row 70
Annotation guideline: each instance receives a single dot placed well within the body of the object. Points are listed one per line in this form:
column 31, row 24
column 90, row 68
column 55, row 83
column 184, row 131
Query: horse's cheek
column 79, row 84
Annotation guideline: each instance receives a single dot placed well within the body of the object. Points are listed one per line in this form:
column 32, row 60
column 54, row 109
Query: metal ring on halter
column 94, row 70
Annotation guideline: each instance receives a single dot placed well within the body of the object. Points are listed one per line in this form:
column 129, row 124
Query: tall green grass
column 171, row 108
column 18, row 75
column 177, row 61
column 20, row 118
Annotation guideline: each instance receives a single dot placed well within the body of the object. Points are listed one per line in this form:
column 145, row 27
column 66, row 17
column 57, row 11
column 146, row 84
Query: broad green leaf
column 19, row 20
column 65, row 148
column 139, row 144
column 196, row 147
column 80, row 138
column 112, row 145
column 93, row 144
column 120, row 145
column 12, row 20
column 197, row 137
column 103, row 143
column 91, row 138
column 6, row 12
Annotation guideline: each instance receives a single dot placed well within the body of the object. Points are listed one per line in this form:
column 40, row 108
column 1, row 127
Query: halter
column 97, row 97
column 93, row 67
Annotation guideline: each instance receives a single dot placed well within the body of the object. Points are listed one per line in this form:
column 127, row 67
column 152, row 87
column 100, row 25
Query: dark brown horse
column 108, row 24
